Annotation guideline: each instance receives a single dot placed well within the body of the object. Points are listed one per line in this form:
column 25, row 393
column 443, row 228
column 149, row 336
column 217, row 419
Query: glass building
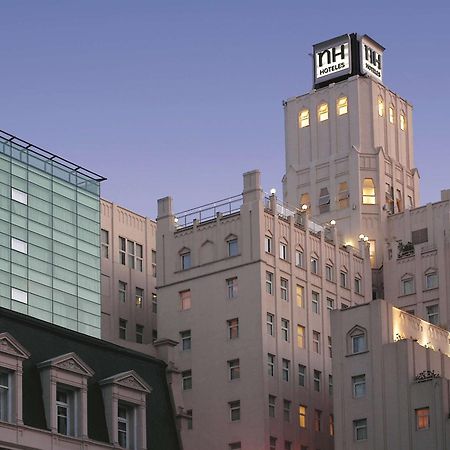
column 49, row 237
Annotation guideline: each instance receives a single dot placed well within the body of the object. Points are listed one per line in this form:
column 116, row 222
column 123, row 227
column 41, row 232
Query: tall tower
column 349, row 145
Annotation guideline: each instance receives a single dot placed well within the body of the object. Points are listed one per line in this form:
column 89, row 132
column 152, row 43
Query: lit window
column 317, row 380
column 317, row 420
column 323, row 112
column 284, row 286
column 360, row 429
column 19, row 196
column 423, row 418
column 185, row 300
column 232, row 287
column 234, row 369
column 391, row 114
column 268, row 244
column 269, row 283
column 185, row 340
column 233, row 328
column 358, row 285
column 19, row 296
column 402, row 121
column 286, row 410
column 299, row 258
column 305, row 200
column 285, row 329
column 283, row 250
column 235, row 410
column 398, row 200
column 301, row 336
column 314, row 265
column 433, row 314
column 300, row 294
column 154, row 303
column 359, row 386
column 324, row 200
column 343, row 195
column 303, row 118
column 342, row 106
column 104, row 234
column 408, row 286
column 65, row 411
column 270, row 325
column 186, row 378
column 285, row 369
column 380, row 107
column 431, row 280
column 139, row 297
column 315, row 301
column 316, row 341
column 122, row 291
column 302, row 416
column 343, row 279
column 233, row 247
column 331, row 425
column 186, row 261
column 369, row 197
column 122, row 329
column 272, row 400
column 301, row 375
column 139, row 333
column 329, row 272
column 19, row 246
column 271, row 364
column 372, row 252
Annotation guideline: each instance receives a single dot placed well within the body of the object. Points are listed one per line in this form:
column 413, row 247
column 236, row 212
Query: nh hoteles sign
column 347, row 55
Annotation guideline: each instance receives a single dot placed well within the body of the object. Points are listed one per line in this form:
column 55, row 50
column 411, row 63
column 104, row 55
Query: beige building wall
column 249, row 220
column 404, row 404
column 138, row 273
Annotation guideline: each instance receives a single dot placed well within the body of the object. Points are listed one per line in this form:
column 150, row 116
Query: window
column 330, row 385
column 302, row 416
column 189, row 419
column 342, row 106
column 317, row 420
column 399, row 201
column 154, row 335
column 380, row 107
column 185, row 300
column 358, row 285
column 139, row 257
column 185, row 340
column 408, row 286
column 234, row 369
column 270, row 324
column 316, row 341
column 284, row 289
column 19, row 196
column 186, row 261
column 419, row 236
column 343, row 195
column 389, row 198
column 285, row 369
column 134, row 252
column 300, row 294
column 315, row 301
column 301, row 375
column 299, row 258
column 372, row 252
column 139, row 333
column 324, row 200
column 287, row 445
column 232, row 245
column 271, row 364
column 5, row 396
column 272, row 400
column 314, row 264
column 422, row 418
column 359, row 386
column 433, row 314
column 273, row 443
column 330, row 304
column 122, row 291
column 154, row 303
column 305, row 200
column 317, row 380
column 269, row 283
column 233, row 328
column 286, row 410
column 391, row 114
column 303, row 118
column 431, row 280
column 19, row 246
column 410, row 202
column 283, row 251
column 285, row 329
column 329, row 272
column 343, row 278
column 122, row 250
column 104, row 236
column 402, row 121
column 234, row 446
column 232, row 287
column 330, row 349
column 331, row 425
column 235, row 410
column 122, row 329
column 139, row 298
column 65, row 411
column 323, row 112
column 268, row 244
column 186, row 377
column 131, row 253
column 358, row 341
column 360, row 429
column 124, row 413
column 369, row 197
column 301, row 336
column 154, row 263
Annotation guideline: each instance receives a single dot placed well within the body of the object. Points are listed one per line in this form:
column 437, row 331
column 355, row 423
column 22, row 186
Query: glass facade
column 49, row 239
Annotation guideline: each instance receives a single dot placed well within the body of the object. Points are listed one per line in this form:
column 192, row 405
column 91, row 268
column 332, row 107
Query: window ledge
column 356, row 354
column 407, row 295
column 430, row 289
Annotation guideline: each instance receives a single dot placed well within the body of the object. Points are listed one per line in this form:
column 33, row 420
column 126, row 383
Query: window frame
column 359, row 382
column 303, row 118
column 342, row 105
column 322, row 112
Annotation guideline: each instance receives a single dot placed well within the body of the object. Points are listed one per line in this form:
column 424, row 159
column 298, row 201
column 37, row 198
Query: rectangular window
column 342, row 106
column 317, row 420
column 360, row 429
column 316, row 341
column 343, row 278
column 189, row 419
column 130, row 253
column 343, row 195
column 330, row 304
column 122, row 291
column 154, row 335
column 139, row 333
column 139, row 298
column 271, row 364
column 433, row 314
column 359, row 343
column 369, row 197
column 233, row 328
column 270, row 324
column 65, row 411
column 314, row 265
column 234, row 446
column 185, row 340
column 124, row 414
column 408, row 286
column 301, row 336
column 272, row 400
column 186, row 261
column 331, row 425
column 359, row 386
column 268, row 244
column 269, row 283
column 235, row 410
column 285, row 329
column 154, row 263
column 315, row 301
column 299, row 258
column 303, row 118
column 287, row 445
column 234, row 369
column 185, row 300
column 330, row 349
column 423, row 418
column 286, row 410
column 233, row 249
column 139, row 257
column 5, row 396
column 122, row 329
column 419, row 236
column 302, row 416
column 273, row 443
column 154, row 303
column 324, row 200
column 285, row 372
column 300, row 293
column 301, row 375
column 284, row 286
column 122, row 250
column 232, row 287
column 317, row 380
column 431, row 279
column 186, row 377
column 19, row 246
column 19, row 196
column 283, row 250
column 358, row 285
column 104, row 235
column 329, row 272
column 330, row 385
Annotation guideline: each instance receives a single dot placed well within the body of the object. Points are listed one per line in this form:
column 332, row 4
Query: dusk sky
column 181, row 97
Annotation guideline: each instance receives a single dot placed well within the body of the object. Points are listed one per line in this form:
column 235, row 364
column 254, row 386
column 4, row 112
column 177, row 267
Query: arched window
column 323, row 112
column 380, row 107
column 303, row 118
column 357, row 340
column 342, row 106
column 391, row 114
column 368, row 192
column 402, row 121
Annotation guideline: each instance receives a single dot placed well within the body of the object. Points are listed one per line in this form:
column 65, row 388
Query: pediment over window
column 407, row 276
column 69, row 362
column 207, row 242
column 184, row 250
column 230, row 237
column 430, row 270
column 356, row 331
column 12, row 347
column 129, row 380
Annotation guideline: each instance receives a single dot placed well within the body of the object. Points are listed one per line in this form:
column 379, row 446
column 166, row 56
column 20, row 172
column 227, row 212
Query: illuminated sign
column 371, row 58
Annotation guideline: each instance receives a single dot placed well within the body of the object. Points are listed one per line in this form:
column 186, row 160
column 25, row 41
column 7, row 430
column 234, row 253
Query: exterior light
column 347, row 244
column 366, row 238
column 273, row 191
column 304, row 207
column 175, row 219
column 332, row 222
column 361, row 237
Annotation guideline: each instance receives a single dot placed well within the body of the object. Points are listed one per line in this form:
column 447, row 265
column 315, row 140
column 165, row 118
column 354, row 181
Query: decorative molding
column 426, row 375
column 11, row 346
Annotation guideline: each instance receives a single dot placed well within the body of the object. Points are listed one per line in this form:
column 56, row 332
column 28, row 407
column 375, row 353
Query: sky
column 180, row 98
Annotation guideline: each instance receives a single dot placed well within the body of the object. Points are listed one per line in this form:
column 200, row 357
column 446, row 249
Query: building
column 392, row 377
column 49, row 237
column 245, row 286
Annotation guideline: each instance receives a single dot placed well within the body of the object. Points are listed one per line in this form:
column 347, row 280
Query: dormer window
column 303, row 118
